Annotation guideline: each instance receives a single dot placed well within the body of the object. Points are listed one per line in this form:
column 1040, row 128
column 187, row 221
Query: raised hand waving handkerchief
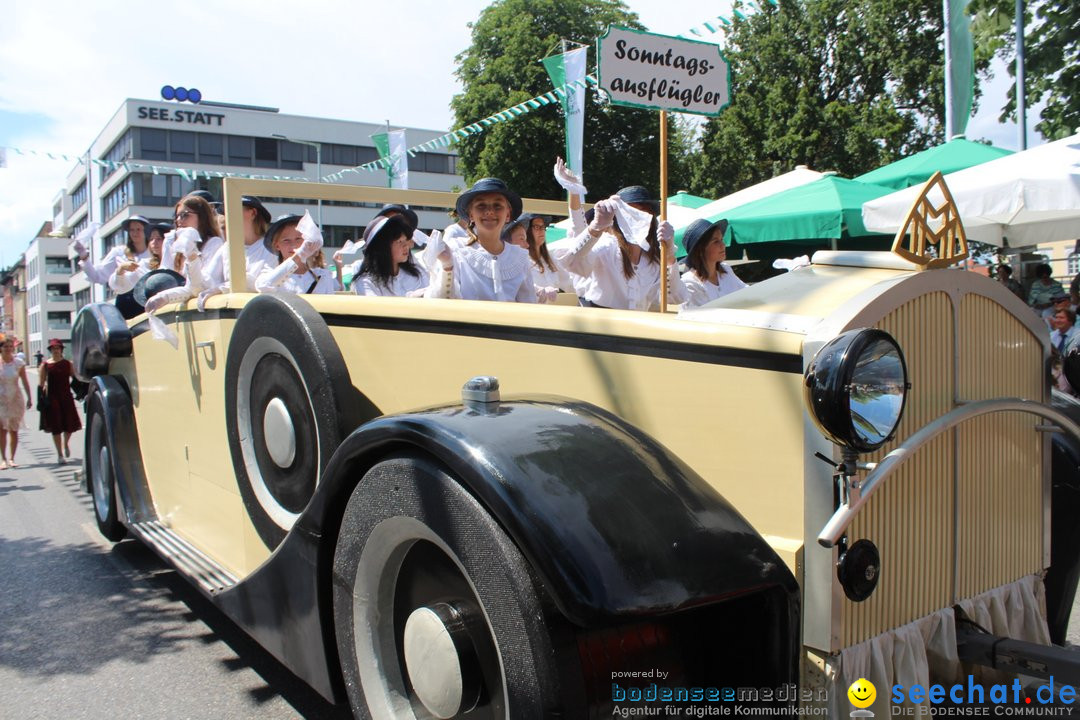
column 566, row 177
column 634, row 223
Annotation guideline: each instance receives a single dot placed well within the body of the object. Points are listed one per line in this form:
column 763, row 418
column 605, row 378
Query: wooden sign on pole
column 659, row 72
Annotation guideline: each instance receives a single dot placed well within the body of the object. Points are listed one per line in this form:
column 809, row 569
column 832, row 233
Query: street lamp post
column 318, row 162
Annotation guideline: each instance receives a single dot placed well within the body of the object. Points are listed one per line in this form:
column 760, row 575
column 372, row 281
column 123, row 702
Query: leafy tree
column 844, row 85
column 502, row 68
column 1051, row 57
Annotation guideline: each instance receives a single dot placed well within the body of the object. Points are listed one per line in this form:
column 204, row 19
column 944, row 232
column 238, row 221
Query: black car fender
column 122, row 435
column 614, row 524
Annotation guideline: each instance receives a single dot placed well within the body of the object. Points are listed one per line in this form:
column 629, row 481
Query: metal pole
column 318, row 173
column 950, row 121
column 1021, row 109
column 663, row 208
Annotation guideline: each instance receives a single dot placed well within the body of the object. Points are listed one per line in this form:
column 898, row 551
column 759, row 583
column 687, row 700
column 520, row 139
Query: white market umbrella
column 1027, row 198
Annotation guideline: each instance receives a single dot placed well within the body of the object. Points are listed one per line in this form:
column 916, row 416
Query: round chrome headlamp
column 856, row 387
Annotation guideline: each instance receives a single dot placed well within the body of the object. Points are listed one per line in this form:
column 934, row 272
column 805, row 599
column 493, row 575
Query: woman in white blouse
column 485, row 267
column 301, row 269
column 709, row 277
column 388, row 268
column 129, row 271
column 194, row 212
column 137, row 228
column 615, row 272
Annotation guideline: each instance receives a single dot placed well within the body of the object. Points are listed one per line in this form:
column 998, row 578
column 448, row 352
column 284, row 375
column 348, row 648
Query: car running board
column 210, row 577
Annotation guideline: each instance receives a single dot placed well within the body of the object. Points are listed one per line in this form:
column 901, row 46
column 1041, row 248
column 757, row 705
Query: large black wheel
column 435, row 609
column 99, row 468
column 283, row 375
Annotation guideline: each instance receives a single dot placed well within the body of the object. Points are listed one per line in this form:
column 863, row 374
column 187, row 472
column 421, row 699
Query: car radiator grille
column 965, row 513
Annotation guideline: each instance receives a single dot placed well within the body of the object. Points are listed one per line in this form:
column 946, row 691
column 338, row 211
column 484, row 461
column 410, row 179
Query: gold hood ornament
column 949, row 239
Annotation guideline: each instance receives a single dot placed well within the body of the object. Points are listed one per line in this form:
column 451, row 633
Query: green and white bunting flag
column 568, row 71
column 394, row 155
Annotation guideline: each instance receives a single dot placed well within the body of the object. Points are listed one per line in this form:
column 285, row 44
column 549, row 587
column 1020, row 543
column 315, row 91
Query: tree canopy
column 1051, row 57
column 502, row 68
column 844, row 85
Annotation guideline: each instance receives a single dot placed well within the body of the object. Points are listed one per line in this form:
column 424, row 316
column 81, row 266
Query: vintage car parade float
column 467, row 509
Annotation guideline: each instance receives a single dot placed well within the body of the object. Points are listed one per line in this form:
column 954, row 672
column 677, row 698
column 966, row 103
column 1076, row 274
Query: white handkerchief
column 634, row 223
column 88, row 233
column 308, row 228
column 791, row 264
column 429, row 256
column 161, row 331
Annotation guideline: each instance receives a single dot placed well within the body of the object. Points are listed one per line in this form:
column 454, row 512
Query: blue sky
column 66, row 66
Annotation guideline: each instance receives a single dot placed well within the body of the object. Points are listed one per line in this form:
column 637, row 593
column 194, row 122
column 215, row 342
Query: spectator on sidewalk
column 59, row 416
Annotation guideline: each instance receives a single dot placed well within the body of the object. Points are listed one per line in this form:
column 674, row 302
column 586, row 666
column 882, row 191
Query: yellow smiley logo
column 862, row 693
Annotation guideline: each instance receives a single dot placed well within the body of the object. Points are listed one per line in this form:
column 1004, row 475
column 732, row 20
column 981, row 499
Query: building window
column 82, row 299
column 292, row 155
column 341, row 154
column 59, row 320
column 117, row 199
column 1072, row 264
column 78, row 198
column 80, row 226
column 153, row 144
column 240, row 150
column 161, row 190
column 366, row 155
column 181, row 146
column 118, row 153
column 57, row 265
column 56, row 292
column 210, row 147
column 266, row 152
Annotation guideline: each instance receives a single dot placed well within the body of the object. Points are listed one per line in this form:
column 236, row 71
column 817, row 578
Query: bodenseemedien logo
column 862, row 695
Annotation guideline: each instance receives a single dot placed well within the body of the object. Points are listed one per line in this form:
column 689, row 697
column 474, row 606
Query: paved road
column 92, row 630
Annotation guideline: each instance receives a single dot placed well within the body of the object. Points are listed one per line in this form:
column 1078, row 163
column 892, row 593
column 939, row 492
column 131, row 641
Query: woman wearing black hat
column 486, row 268
column 257, row 256
column 137, row 228
column 301, row 269
column 129, row 271
column 616, row 272
column 709, row 277
column 388, row 268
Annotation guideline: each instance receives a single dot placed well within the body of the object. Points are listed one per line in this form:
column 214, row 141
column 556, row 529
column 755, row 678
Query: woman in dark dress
column 59, row 416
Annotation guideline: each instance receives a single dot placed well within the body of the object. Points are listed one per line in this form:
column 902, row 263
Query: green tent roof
column 824, row 209
column 957, row 154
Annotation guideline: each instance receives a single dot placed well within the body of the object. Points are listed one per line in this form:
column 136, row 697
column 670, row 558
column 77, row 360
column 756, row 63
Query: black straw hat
column 700, row 229
column 154, row 282
column 135, row 218
column 407, row 214
column 204, row 194
column 275, row 228
column 164, row 227
column 388, row 229
column 638, row 194
column 253, row 202
column 484, row 186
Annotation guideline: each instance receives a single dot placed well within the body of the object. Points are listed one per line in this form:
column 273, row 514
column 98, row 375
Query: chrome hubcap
column 438, row 653
column 279, row 433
